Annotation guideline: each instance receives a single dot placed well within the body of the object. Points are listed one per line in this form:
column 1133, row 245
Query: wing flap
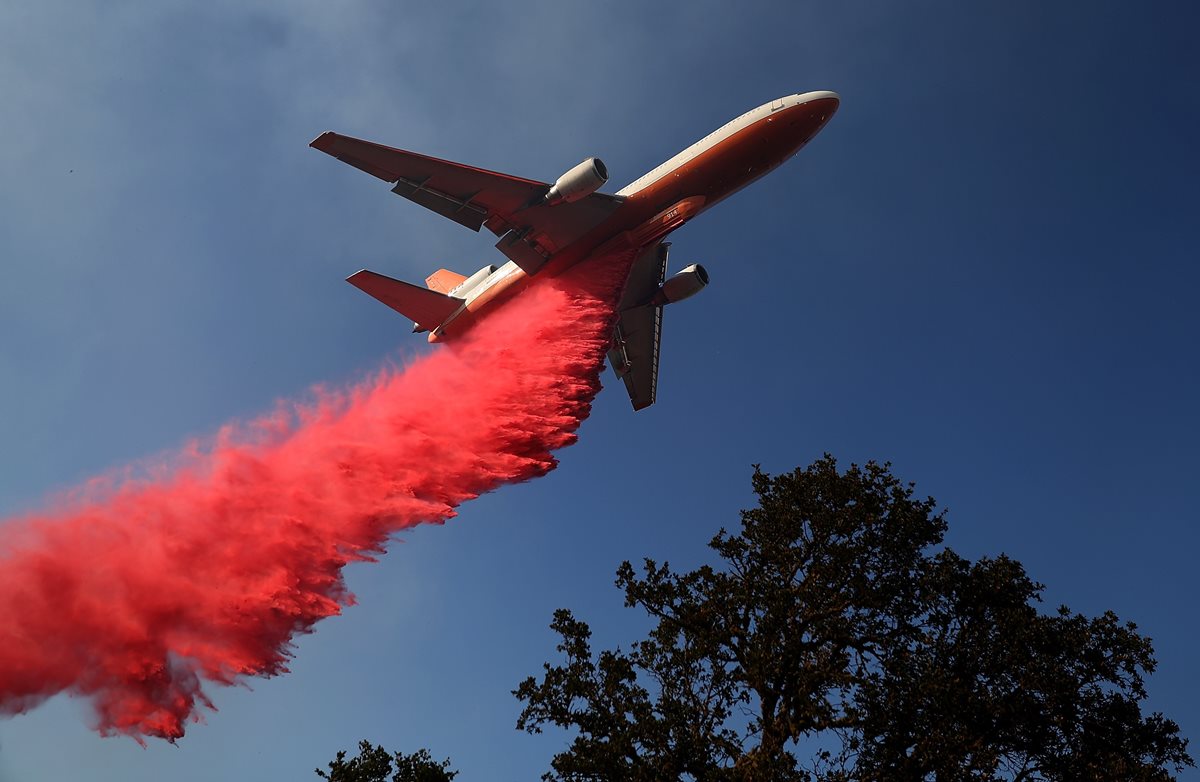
column 460, row 210
column 638, row 334
column 634, row 355
column 428, row 309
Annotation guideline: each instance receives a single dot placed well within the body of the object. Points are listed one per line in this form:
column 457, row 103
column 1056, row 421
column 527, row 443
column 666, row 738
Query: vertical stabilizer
column 443, row 281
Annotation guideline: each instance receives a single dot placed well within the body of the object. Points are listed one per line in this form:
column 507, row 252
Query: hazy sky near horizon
column 983, row 270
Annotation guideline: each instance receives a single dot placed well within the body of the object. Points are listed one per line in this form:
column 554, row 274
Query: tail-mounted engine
column 578, row 183
column 683, row 285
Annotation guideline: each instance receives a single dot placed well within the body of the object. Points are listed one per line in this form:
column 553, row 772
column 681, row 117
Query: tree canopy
column 375, row 764
column 838, row 639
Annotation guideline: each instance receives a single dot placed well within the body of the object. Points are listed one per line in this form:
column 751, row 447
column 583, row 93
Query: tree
column 376, row 764
column 838, row 640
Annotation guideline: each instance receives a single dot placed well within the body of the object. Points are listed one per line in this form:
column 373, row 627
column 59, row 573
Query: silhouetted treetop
column 837, row 639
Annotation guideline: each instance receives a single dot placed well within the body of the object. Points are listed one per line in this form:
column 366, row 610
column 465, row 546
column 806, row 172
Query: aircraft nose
column 811, row 111
column 821, row 103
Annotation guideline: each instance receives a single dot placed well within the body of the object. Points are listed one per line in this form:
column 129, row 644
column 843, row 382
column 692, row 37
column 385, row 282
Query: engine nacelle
column 682, row 285
column 466, row 286
column 580, row 182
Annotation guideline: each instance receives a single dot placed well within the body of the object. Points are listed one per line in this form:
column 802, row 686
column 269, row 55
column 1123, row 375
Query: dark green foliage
column 836, row 641
column 991, row 688
column 376, row 764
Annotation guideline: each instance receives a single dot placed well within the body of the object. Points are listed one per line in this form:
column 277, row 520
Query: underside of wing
column 509, row 206
column 465, row 194
column 638, row 334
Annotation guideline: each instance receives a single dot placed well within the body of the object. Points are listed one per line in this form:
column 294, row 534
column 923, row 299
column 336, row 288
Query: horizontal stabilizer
column 428, row 309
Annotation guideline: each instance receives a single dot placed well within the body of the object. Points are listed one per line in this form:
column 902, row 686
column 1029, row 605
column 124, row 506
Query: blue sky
column 983, row 270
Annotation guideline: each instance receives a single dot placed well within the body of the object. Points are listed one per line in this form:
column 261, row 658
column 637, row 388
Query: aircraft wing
column 636, row 338
column 509, row 206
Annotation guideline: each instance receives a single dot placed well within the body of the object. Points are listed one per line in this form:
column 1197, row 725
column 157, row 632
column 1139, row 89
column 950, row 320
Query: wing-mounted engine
column 683, row 285
column 578, row 183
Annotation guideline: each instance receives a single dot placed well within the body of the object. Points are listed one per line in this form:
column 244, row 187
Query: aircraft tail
column 428, row 309
column 444, row 281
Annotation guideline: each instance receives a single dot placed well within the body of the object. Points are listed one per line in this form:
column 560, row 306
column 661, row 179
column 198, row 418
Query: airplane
column 545, row 228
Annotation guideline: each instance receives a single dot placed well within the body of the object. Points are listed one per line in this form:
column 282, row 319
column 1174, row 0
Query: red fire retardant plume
column 140, row 592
